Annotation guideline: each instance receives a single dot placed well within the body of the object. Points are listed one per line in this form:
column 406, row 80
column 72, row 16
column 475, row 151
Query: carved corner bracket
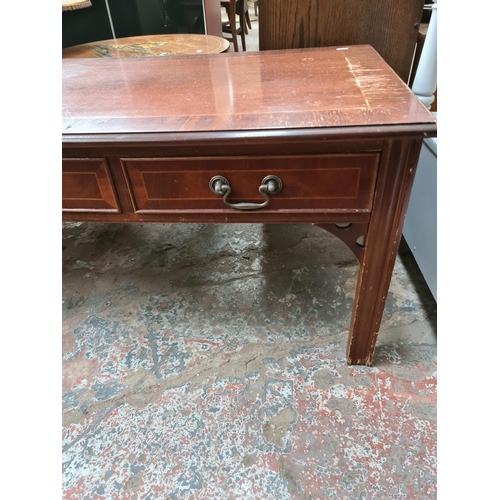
column 351, row 234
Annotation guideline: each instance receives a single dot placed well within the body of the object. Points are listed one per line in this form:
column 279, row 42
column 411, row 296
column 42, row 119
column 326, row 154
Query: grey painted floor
column 208, row 362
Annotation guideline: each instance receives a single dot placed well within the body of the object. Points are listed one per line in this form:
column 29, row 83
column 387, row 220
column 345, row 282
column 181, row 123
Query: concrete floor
column 208, row 362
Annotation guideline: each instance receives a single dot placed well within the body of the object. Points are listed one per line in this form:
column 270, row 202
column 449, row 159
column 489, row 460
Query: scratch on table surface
column 187, row 123
column 351, row 69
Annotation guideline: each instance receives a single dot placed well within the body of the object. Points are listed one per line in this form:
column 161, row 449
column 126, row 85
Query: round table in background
column 149, row 46
column 75, row 4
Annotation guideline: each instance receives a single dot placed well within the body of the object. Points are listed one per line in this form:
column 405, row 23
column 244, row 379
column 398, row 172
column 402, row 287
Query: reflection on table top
column 149, row 46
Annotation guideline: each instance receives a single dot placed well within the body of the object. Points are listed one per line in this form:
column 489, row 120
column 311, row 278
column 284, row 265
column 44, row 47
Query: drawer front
column 87, row 186
column 316, row 182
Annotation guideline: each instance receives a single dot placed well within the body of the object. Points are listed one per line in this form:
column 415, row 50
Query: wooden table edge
column 425, row 130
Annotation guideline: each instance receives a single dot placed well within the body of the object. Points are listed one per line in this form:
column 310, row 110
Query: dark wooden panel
column 86, row 25
column 326, row 182
column 138, row 18
column 87, row 186
column 310, row 88
column 390, row 26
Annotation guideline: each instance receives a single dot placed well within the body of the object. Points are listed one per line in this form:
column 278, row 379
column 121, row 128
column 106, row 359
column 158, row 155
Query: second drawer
column 315, row 182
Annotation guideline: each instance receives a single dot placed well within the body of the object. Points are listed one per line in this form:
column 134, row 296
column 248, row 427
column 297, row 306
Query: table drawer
column 87, row 186
column 321, row 182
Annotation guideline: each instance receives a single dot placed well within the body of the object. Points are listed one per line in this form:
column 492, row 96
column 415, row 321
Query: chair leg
column 256, row 8
column 247, row 17
column 243, row 4
column 243, row 43
column 243, row 26
column 232, row 22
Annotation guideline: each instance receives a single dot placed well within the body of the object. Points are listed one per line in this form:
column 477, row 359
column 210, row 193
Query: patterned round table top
column 149, row 46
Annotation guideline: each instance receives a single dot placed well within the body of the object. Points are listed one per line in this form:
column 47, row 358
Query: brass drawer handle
column 269, row 185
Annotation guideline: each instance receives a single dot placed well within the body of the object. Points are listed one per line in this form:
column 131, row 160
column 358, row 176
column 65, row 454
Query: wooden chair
column 248, row 23
column 247, row 16
column 234, row 7
column 390, row 27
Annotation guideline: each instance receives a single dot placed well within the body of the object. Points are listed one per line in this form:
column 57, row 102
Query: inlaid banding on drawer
column 323, row 182
column 87, row 186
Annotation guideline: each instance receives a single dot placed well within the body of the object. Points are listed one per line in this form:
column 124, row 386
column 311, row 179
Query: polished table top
column 149, row 46
column 301, row 88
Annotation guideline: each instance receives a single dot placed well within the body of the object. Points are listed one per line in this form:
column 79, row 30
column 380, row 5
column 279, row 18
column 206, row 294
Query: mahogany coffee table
column 327, row 136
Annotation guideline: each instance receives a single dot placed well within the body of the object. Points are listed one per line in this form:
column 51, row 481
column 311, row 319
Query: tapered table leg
column 397, row 170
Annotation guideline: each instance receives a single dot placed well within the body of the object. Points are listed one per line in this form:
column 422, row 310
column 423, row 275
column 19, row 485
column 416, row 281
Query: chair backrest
column 389, row 26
